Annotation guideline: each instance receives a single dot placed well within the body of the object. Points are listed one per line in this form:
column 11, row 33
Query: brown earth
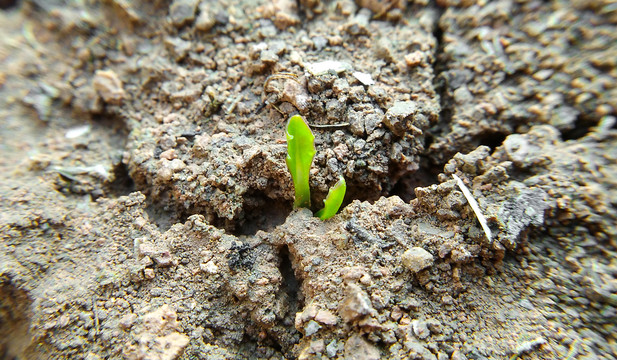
column 146, row 208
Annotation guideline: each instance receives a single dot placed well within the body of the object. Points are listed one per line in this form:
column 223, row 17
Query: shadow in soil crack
column 262, row 213
column 122, row 183
column 426, row 175
column 290, row 294
column 582, row 127
column 14, row 321
column 8, row 4
column 291, row 286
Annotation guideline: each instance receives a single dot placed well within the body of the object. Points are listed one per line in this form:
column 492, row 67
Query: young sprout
column 334, row 200
column 300, row 153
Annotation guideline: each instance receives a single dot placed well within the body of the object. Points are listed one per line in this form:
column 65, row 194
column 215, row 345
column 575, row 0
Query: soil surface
column 146, row 207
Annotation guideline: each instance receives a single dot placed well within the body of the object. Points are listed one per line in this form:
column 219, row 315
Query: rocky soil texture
column 146, row 208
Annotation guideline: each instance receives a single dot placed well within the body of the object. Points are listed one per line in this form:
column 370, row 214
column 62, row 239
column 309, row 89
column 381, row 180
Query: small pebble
column 417, row 259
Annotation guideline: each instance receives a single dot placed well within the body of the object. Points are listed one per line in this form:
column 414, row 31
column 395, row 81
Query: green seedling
column 333, row 201
column 300, row 154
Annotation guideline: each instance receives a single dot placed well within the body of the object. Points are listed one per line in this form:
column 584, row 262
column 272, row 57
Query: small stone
column 434, row 326
column 335, row 40
column 364, row 78
column 389, row 337
column 108, row 86
column 285, row 14
column 168, row 154
column 340, row 86
column 417, row 259
column 365, row 280
column 177, row 165
column 398, row 115
column 156, row 291
column 383, row 49
column 295, row 58
column 182, row 12
column 372, row 121
column 341, row 151
column 417, row 350
column 356, row 304
column 209, row 268
column 447, row 300
column 177, row 47
column 359, row 145
column 171, row 346
column 268, row 57
column 127, row 321
column 396, row 313
column 332, row 349
column 519, row 213
column 326, row 317
column 206, row 20
column 311, row 328
column 314, row 347
column 460, row 255
column 414, row 59
column 420, row 329
column 528, row 346
column 327, row 67
column 358, row 25
column 161, row 256
column 358, row 348
column 356, row 121
column 462, row 95
column 320, row 42
column 164, row 173
column 77, row 132
column 564, row 117
column 302, row 317
column 126, row 9
column 543, row 74
column 149, row 273
column 295, row 94
column 317, row 346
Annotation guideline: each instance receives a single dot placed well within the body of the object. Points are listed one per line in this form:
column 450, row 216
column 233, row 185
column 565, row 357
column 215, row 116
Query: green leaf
column 300, row 154
column 333, row 201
